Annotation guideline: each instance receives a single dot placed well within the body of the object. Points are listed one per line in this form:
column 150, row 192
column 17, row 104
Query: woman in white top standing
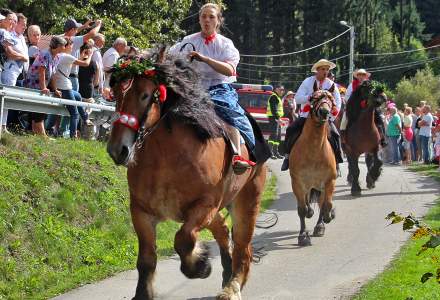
column 216, row 59
column 63, row 83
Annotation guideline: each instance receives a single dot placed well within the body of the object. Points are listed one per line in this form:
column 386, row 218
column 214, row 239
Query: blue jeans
column 414, row 148
column 75, row 111
column 229, row 110
column 75, row 83
column 424, row 143
column 395, row 148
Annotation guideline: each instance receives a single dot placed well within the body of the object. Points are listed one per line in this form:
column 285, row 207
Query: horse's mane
column 187, row 101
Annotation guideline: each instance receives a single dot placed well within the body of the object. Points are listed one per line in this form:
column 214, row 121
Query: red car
column 254, row 97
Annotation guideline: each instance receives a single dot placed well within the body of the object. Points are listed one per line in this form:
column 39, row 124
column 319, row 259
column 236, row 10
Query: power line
column 400, row 66
column 296, row 52
column 272, row 72
column 291, row 66
column 259, row 80
column 395, row 53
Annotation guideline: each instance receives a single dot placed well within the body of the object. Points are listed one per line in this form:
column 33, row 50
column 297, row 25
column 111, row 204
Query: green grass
column 401, row 280
column 64, row 217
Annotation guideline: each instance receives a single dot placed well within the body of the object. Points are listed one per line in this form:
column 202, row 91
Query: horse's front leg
column 301, row 197
column 145, row 227
column 194, row 257
column 220, row 232
column 353, row 164
column 374, row 170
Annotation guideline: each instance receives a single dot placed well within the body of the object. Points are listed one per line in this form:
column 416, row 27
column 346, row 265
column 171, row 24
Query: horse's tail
column 314, row 196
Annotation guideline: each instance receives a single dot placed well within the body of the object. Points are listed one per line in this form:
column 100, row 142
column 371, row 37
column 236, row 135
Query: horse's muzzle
column 323, row 113
column 119, row 153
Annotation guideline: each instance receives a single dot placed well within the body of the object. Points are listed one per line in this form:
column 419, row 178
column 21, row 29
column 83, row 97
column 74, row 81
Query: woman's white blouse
column 220, row 48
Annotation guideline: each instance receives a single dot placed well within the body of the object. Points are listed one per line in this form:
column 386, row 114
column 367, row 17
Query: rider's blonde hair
column 218, row 10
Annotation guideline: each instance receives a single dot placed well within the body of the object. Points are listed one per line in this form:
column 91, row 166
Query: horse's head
column 139, row 93
column 322, row 103
column 373, row 92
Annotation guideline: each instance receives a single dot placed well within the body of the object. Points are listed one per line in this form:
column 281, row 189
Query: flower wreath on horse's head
column 127, row 68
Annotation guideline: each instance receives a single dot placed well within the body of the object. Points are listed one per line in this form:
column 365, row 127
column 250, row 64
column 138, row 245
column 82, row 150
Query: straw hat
column 321, row 63
column 361, row 71
column 289, row 93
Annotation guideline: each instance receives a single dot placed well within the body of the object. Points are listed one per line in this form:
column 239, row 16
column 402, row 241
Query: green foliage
column 143, row 23
column 410, row 274
column 423, row 86
column 64, row 217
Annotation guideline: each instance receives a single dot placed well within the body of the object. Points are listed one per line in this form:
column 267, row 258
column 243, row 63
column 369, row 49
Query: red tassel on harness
column 306, row 108
column 363, row 103
column 162, row 93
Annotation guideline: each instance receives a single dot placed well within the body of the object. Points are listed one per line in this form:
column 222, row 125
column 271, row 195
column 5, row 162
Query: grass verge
column 64, row 217
column 401, row 280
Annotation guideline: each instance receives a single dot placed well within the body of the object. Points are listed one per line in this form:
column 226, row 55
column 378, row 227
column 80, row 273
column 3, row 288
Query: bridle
column 317, row 102
column 133, row 123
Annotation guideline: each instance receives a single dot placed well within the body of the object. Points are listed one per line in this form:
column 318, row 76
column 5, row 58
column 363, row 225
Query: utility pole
column 352, row 37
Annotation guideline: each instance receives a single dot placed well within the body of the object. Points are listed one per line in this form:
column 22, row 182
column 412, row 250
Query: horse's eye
column 145, row 97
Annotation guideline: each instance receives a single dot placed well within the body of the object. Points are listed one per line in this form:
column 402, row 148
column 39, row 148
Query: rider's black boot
column 276, row 152
column 285, row 165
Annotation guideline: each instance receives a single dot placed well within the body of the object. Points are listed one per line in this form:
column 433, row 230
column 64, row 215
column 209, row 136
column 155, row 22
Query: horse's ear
column 332, row 88
column 315, row 86
column 162, row 54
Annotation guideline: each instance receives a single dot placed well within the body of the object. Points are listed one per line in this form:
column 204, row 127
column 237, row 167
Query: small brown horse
column 179, row 168
column 362, row 134
column 313, row 167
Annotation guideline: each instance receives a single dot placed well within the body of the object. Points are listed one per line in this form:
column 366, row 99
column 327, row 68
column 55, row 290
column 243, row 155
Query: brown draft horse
column 362, row 135
column 313, row 167
column 179, row 168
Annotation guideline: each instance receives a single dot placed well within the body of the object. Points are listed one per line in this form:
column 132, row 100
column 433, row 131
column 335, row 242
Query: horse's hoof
column 310, row 212
column 356, row 192
column 333, row 213
column 231, row 292
column 370, row 182
column 319, row 230
column 304, row 239
column 201, row 267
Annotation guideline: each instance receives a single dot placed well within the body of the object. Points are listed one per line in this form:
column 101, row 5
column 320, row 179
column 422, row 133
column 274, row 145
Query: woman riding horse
column 216, row 59
column 180, row 166
column 304, row 94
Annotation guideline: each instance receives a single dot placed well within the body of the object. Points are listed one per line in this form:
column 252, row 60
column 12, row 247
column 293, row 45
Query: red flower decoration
column 125, row 64
column 150, row 73
column 306, row 108
column 162, row 93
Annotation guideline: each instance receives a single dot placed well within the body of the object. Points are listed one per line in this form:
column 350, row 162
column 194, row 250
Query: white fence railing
column 29, row 100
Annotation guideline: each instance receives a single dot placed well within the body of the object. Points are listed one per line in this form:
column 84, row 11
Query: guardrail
column 30, row 100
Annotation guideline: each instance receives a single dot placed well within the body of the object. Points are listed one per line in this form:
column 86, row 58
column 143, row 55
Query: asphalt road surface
column 357, row 245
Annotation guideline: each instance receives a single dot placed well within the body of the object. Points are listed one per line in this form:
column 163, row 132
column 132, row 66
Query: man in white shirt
column 302, row 97
column 71, row 28
column 111, row 56
column 425, row 132
column 99, row 40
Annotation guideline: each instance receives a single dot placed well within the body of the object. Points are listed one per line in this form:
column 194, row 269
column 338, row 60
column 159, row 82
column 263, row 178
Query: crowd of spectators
column 73, row 67
column 413, row 135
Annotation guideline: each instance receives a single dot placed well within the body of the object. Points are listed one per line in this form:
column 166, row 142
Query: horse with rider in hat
column 360, row 75
column 305, row 92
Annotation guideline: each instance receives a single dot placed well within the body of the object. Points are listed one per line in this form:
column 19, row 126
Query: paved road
column 357, row 245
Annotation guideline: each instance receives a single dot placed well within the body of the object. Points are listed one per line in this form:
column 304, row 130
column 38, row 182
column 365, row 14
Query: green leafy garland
column 126, row 68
